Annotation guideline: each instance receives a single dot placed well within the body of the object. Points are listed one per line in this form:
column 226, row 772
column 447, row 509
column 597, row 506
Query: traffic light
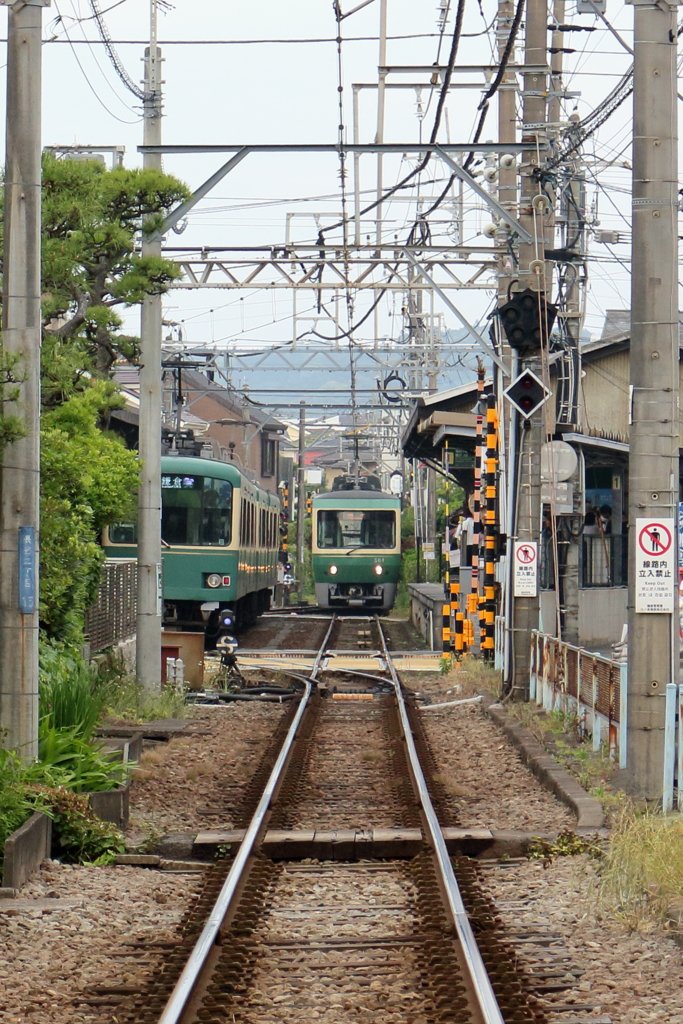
column 527, row 393
column 527, row 320
column 309, row 505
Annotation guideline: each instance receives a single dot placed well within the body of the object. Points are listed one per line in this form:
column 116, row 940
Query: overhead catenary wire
column 116, row 61
column 484, row 104
column 457, row 34
column 92, row 88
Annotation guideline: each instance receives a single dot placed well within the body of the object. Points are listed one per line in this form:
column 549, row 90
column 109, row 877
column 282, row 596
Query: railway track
column 389, row 941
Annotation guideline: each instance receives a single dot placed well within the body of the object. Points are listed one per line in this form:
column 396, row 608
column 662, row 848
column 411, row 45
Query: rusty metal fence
column 576, row 682
column 112, row 618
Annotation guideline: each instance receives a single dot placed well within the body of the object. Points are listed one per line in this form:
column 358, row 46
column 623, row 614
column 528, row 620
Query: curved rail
column 478, row 973
column 178, row 999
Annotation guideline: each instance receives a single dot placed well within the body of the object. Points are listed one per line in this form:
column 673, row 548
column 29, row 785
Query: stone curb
column 589, row 813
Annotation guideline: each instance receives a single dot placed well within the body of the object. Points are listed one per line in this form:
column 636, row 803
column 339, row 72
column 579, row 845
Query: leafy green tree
column 92, row 219
column 89, row 480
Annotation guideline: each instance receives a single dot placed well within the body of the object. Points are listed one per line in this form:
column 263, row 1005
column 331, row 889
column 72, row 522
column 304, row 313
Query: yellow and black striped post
column 488, row 638
column 447, row 634
column 477, row 545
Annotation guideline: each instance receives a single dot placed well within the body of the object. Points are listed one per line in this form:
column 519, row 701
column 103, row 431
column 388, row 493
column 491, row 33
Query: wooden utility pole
column 21, row 340
column 653, row 649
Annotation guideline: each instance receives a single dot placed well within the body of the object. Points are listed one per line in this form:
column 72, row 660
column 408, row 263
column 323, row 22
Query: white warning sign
column 655, row 565
column 526, row 568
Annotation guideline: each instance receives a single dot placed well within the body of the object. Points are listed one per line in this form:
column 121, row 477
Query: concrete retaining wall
column 113, row 806
column 25, row 850
column 426, row 610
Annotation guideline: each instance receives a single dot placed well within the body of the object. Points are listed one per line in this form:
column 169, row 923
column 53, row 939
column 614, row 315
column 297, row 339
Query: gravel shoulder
column 48, row 958
column 480, row 770
column 630, row 977
column 196, row 781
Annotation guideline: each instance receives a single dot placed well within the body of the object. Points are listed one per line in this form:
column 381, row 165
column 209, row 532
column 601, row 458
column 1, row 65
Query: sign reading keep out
column 525, row 568
column 656, row 582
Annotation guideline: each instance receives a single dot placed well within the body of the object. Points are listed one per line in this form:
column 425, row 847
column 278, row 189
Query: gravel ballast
column 481, row 770
column 50, row 957
column 196, row 781
column 632, row 978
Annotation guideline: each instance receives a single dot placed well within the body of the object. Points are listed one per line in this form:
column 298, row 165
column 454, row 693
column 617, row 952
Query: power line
column 113, row 55
column 92, row 88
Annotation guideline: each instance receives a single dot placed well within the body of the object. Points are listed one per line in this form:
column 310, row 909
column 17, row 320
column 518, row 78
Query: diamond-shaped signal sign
column 527, row 393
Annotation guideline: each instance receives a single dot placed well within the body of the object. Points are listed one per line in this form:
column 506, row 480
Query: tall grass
column 69, row 698
column 642, row 873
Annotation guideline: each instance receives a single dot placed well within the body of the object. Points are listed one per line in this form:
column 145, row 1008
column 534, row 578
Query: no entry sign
column 525, row 568
column 655, row 566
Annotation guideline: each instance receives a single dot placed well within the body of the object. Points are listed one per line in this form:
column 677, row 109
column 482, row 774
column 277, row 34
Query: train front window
column 196, row 510
column 374, row 528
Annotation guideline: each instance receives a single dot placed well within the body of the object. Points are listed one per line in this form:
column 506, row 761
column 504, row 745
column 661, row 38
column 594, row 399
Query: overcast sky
column 223, row 84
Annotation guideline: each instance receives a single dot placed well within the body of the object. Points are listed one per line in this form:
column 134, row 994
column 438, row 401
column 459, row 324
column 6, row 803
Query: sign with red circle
column 525, row 583
column 655, row 539
column 656, row 578
column 526, row 553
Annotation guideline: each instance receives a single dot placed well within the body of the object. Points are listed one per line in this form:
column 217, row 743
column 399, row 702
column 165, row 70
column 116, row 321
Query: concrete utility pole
column 571, row 295
column 531, row 275
column 21, row 339
column 653, row 655
column 507, row 197
column 301, row 497
column 148, row 665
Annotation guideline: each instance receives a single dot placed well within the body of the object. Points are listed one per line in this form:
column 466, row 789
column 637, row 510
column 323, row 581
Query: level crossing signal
column 527, row 393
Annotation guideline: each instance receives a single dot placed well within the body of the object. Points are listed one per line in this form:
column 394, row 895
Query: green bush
column 80, row 836
column 66, row 759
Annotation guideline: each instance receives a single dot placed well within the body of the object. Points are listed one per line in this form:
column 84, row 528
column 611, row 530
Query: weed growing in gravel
column 642, row 874
column 125, row 700
column 567, row 844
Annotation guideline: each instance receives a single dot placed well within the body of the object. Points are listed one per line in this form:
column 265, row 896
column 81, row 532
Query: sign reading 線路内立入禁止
column 525, row 569
column 655, row 568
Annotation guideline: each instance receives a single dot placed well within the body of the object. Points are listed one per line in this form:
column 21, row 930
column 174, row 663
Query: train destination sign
column 655, row 566
column 526, row 568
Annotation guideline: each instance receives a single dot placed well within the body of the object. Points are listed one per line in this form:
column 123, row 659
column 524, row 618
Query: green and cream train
column 356, row 549
column 220, row 540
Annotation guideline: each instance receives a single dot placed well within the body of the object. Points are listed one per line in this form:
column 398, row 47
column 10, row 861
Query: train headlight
column 214, row 580
column 333, row 570
column 378, row 570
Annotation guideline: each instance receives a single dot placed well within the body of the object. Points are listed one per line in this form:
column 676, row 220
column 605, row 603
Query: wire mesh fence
column 112, row 617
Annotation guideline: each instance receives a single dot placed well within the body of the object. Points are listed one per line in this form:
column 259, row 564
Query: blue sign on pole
column 27, row 569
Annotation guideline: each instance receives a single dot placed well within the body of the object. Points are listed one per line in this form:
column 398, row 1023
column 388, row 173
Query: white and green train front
column 220, row 543
column 356, row 549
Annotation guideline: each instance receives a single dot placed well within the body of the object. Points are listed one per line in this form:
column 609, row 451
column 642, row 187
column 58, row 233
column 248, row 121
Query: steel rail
column 178, row 999
column 488, row 1003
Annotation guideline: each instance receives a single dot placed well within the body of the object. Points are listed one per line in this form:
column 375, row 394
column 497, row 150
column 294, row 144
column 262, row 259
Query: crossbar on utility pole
column 148, row 648
column 21, row 339
column 653, row 659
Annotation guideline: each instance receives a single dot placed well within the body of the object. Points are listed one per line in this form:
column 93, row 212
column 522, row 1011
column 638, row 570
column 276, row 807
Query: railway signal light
column 527, row 393
column 527, row 320
column 309, row 506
